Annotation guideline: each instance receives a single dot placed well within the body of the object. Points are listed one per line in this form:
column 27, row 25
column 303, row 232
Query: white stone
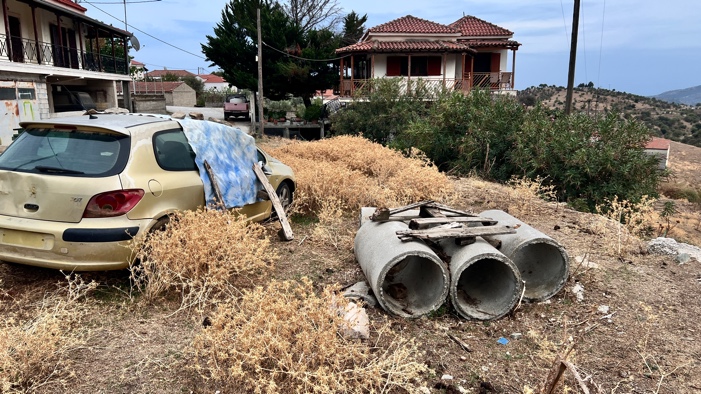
column 578, row 291
column 447, row 377
column 603, row 309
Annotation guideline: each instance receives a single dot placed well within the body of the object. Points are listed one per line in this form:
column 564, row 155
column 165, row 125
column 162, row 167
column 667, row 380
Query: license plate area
column 26, row 239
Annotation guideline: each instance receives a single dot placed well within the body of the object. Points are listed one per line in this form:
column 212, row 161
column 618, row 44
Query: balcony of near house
column 430, row 73
column 42, row 37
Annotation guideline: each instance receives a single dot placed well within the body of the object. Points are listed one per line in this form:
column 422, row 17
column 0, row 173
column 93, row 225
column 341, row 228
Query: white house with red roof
column 214, row 82
column 137, row 70
column 49, row 48
column 659, row 147
column 466, row 54
column 159, row 74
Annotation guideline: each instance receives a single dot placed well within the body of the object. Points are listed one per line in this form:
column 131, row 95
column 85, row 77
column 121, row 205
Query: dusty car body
column 74, row 191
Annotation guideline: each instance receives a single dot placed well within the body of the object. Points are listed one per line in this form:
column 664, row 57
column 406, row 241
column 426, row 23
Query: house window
column 8, row 94
column 421, row 66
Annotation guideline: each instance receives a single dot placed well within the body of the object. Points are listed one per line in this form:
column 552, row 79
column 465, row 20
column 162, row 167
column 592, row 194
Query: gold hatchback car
column 74, row 191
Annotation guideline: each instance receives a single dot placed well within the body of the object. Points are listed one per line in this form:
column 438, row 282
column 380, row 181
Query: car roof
column 115, row 122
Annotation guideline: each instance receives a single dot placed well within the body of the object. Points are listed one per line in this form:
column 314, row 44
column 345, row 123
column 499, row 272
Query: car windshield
column 67, row 152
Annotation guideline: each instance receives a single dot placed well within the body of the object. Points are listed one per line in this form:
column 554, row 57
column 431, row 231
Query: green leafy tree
column 170, row 77
column 195, row 83
column 233, row 48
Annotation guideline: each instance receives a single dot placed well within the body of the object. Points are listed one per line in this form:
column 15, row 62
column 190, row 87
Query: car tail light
column 112, row 203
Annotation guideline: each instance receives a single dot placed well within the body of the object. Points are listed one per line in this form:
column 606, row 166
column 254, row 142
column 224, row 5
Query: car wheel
column 284, row 194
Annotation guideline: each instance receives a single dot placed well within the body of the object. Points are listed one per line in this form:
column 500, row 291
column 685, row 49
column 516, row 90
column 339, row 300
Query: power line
column 147, row 34
column 601, row 45
column 304, row 58
column 564, row 22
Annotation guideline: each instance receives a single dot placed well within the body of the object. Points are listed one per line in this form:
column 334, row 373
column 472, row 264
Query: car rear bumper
column 90, row 245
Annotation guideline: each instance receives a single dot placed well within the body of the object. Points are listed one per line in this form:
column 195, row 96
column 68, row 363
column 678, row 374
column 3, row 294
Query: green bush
column 385, row 114
column 312, row 112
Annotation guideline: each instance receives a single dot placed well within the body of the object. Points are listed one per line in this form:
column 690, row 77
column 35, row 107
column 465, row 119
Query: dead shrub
column 331, row 228
column 286, row 338
column 624, row 222
column 35, row 344
column 357, row 173
column 526, row 193
column 202, row 255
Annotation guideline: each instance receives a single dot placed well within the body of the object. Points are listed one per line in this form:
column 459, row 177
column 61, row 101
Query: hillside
column 677, row 122
column 688, row 96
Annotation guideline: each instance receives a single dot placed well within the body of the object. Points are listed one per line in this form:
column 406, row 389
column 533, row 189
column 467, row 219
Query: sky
column 643, row 47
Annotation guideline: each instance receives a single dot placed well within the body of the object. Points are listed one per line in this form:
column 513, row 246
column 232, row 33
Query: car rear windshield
column 67, row 153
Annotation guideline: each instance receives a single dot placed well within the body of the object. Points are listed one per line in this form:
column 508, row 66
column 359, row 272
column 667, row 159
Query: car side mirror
column 266, row 169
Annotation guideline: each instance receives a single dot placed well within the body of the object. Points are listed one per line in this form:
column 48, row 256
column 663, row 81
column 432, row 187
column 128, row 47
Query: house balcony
column 27, row 51
column 431, row 86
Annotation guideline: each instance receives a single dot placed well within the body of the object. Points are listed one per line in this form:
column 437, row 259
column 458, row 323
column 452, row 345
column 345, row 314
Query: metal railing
column 22, row 50
column 432, row 85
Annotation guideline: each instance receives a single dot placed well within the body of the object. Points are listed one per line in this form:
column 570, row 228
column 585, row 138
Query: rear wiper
column 57, row 170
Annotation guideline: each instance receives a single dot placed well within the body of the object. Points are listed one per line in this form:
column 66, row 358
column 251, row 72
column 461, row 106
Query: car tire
column 284, row 194
column 227, row 115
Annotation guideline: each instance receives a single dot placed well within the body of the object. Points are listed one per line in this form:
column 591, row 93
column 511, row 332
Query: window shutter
column 394, row 65
column 433, row 65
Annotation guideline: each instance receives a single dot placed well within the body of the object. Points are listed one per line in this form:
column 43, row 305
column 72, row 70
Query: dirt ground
column 644, row 342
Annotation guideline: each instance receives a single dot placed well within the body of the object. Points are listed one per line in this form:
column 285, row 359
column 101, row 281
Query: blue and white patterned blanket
column 231, row 153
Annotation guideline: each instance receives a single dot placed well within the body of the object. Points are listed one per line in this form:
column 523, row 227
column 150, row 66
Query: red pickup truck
column 236, row 105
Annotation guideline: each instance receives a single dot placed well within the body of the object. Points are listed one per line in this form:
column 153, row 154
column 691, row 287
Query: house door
column 16, row 39
column 69, row 40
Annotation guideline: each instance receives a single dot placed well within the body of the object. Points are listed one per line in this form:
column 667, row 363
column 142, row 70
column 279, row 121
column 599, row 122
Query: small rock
column 603, row 309
column 484, row 368
column 623, row 374
column 197, row 115
column 462, row 390
column 178, row 115
column 424, row 390
column 578, row 291
column 362, row 291
column 516, row 335
column 683, row 258
column 463, row 358
column 447, row 377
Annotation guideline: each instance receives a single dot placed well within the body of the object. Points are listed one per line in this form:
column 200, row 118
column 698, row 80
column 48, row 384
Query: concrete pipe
column 542, row 262
column 485, row 284
column 408, row 278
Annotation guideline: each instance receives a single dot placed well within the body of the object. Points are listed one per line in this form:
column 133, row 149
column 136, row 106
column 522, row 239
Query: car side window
column 261, row 157
column 173, row 152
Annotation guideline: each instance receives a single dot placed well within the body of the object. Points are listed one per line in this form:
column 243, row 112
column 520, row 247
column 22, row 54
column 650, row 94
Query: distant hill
column 677, row 122
column 688, row 96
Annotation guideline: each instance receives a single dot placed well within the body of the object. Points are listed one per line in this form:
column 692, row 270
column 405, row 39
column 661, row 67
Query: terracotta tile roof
column 406, row 46
column 471, row 26
column 657, row 144
column 211, row 78
column 136, row 63
column 411, row 24
column 151, row 87
column 491, row 43
column 70, row 4
column 177, row 73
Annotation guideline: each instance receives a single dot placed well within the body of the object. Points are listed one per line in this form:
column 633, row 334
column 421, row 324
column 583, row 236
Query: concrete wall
column 182, row 96
column 147, row 103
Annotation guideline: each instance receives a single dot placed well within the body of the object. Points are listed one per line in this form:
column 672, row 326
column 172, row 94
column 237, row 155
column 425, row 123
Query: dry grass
column 203, row 255
column 286, row 338
column 35, row 345
column 355, row 172
column 623, row 222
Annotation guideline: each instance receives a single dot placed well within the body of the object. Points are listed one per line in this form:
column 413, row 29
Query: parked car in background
column 236, row 105
column 74, row 191
column 66, row 100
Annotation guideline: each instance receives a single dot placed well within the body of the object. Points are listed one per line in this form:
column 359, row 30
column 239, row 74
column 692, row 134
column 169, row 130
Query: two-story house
column 51, row 54
column 466, row 54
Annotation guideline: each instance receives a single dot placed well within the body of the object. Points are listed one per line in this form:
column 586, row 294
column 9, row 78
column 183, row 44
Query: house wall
column 450, row 70
column 14, row 111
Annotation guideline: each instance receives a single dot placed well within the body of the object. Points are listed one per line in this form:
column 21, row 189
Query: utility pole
column 259, row 132
column 573, row 58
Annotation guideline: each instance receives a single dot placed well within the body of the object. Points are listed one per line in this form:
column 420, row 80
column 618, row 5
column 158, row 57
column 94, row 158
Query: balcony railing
column 431, row 86
column 21, row 50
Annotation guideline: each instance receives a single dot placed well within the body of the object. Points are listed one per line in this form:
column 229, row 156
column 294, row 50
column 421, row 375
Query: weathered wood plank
column 441, row 232
column 286, row 229
column 423, row 223
column 217, row 191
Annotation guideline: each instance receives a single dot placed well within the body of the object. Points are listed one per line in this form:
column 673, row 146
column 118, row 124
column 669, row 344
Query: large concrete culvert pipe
column 485, row 284
column 542, row 262
column 408, row 278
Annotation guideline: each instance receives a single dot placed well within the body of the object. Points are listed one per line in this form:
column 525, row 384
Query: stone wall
column 147, row 103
